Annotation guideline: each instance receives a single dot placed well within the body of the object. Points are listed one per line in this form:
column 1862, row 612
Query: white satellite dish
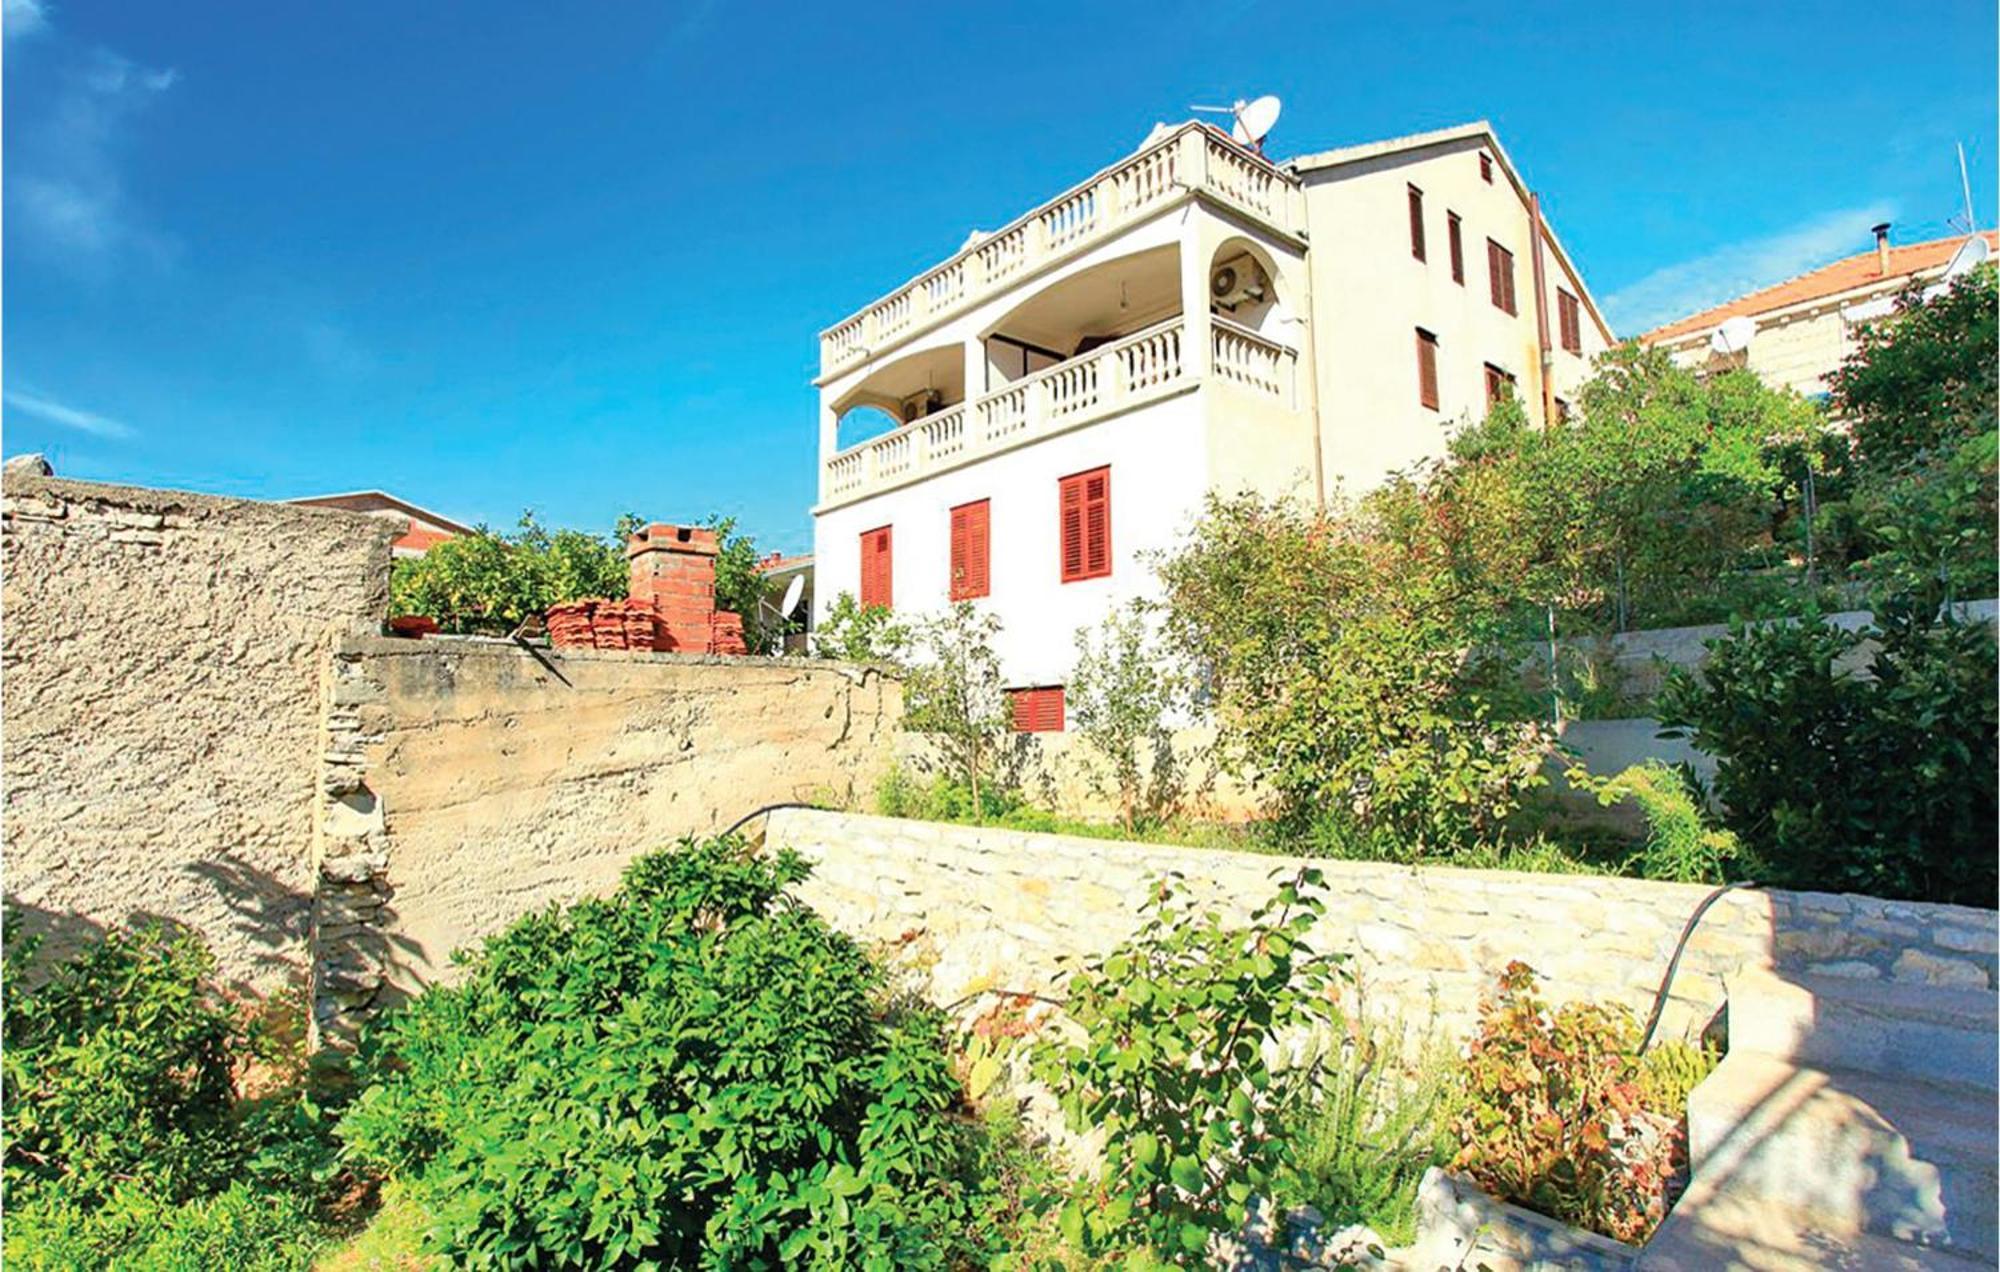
column 794, row 592
column 1253, row 119
column 1970, row 255
column 1734, row 335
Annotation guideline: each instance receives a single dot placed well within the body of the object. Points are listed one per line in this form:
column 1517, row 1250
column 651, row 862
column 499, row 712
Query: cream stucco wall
column 1370, row 295
column 162, row 698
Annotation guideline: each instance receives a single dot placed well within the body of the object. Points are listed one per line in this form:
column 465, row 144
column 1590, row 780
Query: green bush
column 853, row 632
column 1176, row 1064
column 1883, row 784
column 127, row 1140
column 1680, row 846
column 694, row 1070
column 1365, row 1131
column 485, row 583
column 1552, row 1114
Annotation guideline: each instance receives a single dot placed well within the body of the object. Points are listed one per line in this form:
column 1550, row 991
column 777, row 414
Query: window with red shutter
column 877, row 568
column 1038, row 710
column 1416, row 223
column 1569, row 318
column 1499, row 384
column 1427, row 369
column 1457, row 248
column 1084, row 524
column 1486, row 167
column 971, row 550
column 1500, row 271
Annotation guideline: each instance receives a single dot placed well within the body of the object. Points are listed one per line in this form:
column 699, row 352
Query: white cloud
column 24, row 17
column 67, row 416
column 64, row 180
column 1735, row 269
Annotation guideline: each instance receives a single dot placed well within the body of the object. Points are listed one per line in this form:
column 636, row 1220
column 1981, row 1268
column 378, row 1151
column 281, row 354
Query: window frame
column 1569, row 318
column 971, row 532
column 887, row 577
column 1500, row 282
column 1418, row 248
column 1038, row 709
column 1503, row 378
column 1083, row 506
column 1455, row 231
column 1427, row 370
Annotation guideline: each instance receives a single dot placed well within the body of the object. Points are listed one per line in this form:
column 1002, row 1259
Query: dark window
column 1500, row 272
column 1416, row 223
column 971, row 550
column 1569, row 317
column 1084, row 528
column 1499, row 385
column 1038, row 710
column 1457, row 247
column 877, row 568
column 1486, row 167
column 1427, row 369
column 1562, row 411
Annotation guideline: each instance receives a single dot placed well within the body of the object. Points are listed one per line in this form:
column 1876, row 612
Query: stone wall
column 973, row 909
column 466, row 782
column 161, row 662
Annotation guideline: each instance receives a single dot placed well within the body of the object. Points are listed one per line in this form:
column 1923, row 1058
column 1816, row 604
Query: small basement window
column 1037, row 710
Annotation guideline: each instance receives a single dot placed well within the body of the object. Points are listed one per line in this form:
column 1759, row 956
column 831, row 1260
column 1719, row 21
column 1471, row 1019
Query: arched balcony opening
column 1084, row 312
column 912, row 387
column 1247, row 288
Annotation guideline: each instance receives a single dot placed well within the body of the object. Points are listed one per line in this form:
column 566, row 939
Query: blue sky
column 493, row 256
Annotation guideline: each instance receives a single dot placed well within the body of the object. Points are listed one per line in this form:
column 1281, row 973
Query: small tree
column 741, row 587
column 485, row 583
column 853, row 632
column 1122, row 698
column 954, row 691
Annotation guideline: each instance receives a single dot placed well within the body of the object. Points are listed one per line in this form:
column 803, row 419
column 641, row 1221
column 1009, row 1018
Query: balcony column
column 976, row 386
column 1195, row 337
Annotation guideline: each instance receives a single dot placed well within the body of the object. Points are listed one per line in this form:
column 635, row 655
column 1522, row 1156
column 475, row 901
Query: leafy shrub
column 952, row 691
column 1670, row 1071
column 1179, row 1026
column 1680, row 846
column 1884, row 784
column 1924, row 382
column 1122, row 700
column 135, row 1231
column 486, row 583
column 1553, row 1115
column 694, row 1070
column 853, row 632
column 1364, row 1132
column 128, row 1140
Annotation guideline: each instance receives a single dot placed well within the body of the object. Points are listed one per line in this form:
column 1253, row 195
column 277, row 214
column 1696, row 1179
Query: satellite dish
column 1733, row 336
column 1970, row 255
column 1253, row 120
column 794, row 592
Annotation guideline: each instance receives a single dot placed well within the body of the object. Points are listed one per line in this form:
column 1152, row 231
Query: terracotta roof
column 1853, row 273
column 775, row 564
column 373, row 500
column 418, row 539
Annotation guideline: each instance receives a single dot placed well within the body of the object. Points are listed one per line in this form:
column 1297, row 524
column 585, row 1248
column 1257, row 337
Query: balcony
column 1142, row 368
column 1189, row 160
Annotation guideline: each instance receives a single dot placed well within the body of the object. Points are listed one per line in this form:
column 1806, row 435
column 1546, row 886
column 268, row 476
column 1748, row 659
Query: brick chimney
column 673, row 571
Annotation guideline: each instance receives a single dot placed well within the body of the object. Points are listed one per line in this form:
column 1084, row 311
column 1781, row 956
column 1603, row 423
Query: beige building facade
column 1052, row 403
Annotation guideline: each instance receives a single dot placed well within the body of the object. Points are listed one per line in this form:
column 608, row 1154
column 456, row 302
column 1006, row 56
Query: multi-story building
column 1063, row 392
column 1795, row 334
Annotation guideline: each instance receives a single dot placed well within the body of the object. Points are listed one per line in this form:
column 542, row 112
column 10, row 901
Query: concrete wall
column 467, row 782
column 971, row 909
column 162, row 661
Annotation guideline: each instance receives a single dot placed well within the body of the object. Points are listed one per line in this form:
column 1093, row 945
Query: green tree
column 1122, row 700
column 952, row 690
column 741, row 587
column 486, row 583
column 1923, row 383
column 853, row 632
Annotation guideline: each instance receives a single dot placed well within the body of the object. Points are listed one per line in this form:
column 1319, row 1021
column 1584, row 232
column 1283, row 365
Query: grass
column 392, row 1241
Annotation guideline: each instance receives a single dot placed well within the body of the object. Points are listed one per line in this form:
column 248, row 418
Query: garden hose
column 1673, row 964
column 755, row 813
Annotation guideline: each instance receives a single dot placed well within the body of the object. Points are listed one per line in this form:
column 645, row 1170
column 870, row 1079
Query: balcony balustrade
column 1191, row 158
column 1121, row 376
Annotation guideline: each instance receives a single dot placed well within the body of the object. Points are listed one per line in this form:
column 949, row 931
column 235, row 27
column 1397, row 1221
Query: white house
column 1060, row 394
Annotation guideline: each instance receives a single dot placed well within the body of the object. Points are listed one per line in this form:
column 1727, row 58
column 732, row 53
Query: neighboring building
column 1065, row 390
column 427, row 528
column 779, row 571
column 1804, row 327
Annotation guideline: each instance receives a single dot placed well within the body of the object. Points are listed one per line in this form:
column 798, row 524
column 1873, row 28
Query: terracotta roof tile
column 1846, row 275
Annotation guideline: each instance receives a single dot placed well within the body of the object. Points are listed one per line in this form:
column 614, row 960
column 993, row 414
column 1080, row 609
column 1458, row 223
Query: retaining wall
column 973, row 908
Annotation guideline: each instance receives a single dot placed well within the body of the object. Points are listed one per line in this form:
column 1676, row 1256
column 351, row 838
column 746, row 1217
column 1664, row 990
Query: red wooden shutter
column 1457, row 248
column 1427, row 369
column 1084, row 511
column 1038, row 710
column 1416, row 223
column 971, row 544
column 877, row 568
column 1486, row 167
column 1570, row 319
column 1500, row 271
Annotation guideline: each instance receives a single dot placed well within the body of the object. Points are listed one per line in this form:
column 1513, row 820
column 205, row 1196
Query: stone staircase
column 1852, row 1125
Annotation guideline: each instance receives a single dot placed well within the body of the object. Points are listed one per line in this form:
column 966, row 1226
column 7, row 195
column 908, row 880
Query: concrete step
column 1832, row 1022
column 1851, row 1153
column 1711, row 1232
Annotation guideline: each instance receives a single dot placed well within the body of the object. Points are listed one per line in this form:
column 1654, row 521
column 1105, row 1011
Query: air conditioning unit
column 1237, row 281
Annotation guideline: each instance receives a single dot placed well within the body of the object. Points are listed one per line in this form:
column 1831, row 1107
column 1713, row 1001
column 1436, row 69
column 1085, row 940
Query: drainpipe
column 1882, row 249
column 1542, row 313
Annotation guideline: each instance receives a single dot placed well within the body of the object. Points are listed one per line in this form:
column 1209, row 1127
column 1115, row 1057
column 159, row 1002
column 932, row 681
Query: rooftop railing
column 1191, row 158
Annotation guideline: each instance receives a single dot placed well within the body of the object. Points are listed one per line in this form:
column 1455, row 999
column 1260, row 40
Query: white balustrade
column 1150, row 359
column 943, row 434
column 1085, row 213
column 1246, row 358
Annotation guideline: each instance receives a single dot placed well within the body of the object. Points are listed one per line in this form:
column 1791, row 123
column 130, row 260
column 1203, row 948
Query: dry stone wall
column 972, row 909
column 162, row 700
column 467, row 782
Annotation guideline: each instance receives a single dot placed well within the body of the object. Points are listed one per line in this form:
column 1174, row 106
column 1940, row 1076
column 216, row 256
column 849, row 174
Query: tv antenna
column 1253, row 119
